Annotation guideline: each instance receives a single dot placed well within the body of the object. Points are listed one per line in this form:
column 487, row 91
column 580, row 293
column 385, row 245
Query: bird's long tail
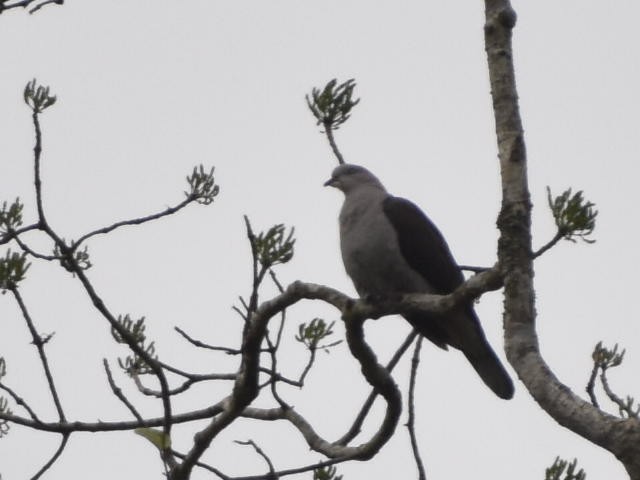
column 462, row 330
column 474, row 345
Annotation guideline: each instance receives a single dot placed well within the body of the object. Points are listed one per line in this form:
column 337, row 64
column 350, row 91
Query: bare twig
column 10, row 235
column 32, row 252
column 101, row 426
column 134, row 221
column 52, row 460
column 39, row 343
column 591, row 385
column 20, row 401
column 117, row 391
column 550, row 244
column 45, row 2
column 415, row 361
column 259, row 451
column 624, row 408
column 198, row 343
column 293, row 471
column 204, row 466
column 328, row 130
column 6, row 5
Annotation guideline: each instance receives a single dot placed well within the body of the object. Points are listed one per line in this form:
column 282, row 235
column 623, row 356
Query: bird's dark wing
column 422, row 245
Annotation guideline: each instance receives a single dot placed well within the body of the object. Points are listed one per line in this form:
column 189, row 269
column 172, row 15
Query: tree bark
column 619, row 436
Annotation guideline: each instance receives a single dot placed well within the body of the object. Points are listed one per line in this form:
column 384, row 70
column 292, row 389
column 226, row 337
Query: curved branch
column 354, row 430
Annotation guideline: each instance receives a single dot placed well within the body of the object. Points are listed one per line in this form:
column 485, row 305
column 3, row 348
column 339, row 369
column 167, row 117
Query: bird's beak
column 330, row 183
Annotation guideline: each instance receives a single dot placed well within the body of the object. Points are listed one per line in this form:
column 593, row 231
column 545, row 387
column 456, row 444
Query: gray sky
column 147, row 90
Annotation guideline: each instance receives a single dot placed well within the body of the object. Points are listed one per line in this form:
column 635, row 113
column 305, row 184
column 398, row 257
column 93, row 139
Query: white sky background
column 147, row 90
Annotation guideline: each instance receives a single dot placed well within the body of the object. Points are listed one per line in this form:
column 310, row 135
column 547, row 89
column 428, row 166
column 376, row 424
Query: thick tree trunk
column 621, row 437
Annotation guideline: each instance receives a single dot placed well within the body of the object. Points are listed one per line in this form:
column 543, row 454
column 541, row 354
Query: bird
column 390, row 247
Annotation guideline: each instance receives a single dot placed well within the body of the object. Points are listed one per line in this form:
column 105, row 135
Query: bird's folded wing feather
column 422, row 245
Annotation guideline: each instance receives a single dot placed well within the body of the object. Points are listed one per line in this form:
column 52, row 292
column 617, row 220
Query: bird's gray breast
column 371, row 252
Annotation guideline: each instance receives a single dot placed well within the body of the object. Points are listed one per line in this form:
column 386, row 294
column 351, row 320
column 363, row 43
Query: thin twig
column 283, row 314
column 294, row 471
column 411, row 426
column 101, row 426
column 198, row 343
column 26, row 3
column 471, row 268
column 52, row 460
column 623, row 407
column 39, row 343
column 259, row 451
column 273, row 381
column 204, row 466
column 11, row 234
column 117, row 391
column 45, row 2
column 20, row 401
column 592, row 383
column 328, row 130
column 557, row 237
column 366, row 406
column 37, row 151
column 32, row 252
column 134, row 221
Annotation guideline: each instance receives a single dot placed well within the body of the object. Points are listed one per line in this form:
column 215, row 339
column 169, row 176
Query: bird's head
column 348, row 177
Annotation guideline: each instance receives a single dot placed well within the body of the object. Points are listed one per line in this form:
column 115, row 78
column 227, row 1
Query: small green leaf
column 156, row 437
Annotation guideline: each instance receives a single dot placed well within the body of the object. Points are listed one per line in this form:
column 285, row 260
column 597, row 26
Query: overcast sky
column 146, row 90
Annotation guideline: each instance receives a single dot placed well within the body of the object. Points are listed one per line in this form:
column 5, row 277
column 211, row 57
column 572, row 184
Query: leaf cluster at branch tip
column 11, row 216
column 37, row 97
column 203, row 188
column 606, row 358
column 13, row 268
column 574, row 216
column 4, row 424
column 326, row 473
column 275, row 246
column 311, row 334
column 133, row 364
column 332, row 105
column 555, row 471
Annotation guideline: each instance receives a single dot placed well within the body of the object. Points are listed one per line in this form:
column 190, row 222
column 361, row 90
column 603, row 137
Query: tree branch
column 134, row 221
column 39, row 343
column 6, row 5
column 117, row 391
column 52, row 460
column 621, row 437
column 415, row 361
column 20, row 401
